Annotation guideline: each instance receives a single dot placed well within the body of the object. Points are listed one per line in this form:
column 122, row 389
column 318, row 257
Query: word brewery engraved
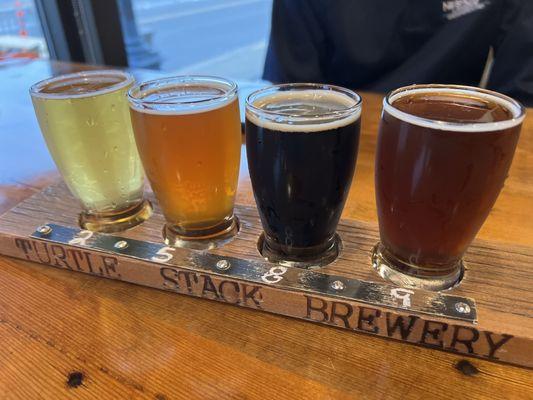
column 411, row 328
column 410, row 315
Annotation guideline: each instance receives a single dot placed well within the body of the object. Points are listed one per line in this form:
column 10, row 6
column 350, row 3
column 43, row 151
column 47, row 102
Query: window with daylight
column 226, row 38
column 21, row 34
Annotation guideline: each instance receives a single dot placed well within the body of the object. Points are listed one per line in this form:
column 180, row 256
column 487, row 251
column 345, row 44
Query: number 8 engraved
column 274, row 275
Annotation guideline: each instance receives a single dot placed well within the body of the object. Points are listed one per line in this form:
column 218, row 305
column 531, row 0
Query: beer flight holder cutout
column 489, row 315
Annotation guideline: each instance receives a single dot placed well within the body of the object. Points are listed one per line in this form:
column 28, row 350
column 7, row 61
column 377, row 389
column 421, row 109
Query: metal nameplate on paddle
column 285, row 278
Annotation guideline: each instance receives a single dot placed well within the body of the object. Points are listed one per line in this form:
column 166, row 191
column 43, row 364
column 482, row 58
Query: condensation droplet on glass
column 164, row 128
column 90, row 122
column 106, row 154
column 115, row 148
column 113, row 107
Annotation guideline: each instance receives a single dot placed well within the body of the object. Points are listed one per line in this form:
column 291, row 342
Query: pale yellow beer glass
column 84, row 118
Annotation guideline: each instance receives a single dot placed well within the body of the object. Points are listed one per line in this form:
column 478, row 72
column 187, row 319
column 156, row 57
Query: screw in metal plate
column 120, row 245
column 462, row 308
column 44, row 230
column 337, row 285
column 223, row 265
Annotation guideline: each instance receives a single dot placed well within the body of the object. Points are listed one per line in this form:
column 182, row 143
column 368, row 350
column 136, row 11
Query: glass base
column 116, row 222
column 394, row 271
column 202, row 240
column 306, row 259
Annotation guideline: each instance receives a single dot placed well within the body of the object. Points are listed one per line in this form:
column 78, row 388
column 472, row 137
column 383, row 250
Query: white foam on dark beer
column 506, row 102
column 178, row 99
column 313, row 110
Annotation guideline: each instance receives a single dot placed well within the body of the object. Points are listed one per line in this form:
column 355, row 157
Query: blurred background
column 227, row 38
column 369, row 46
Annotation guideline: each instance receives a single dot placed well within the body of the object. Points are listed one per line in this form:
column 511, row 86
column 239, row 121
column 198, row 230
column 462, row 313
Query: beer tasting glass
column 188, row 133
column 443, row 154
column 301, row 142
column 84, row 118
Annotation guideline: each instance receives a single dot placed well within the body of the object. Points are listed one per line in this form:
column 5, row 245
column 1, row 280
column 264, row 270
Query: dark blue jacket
column 380, row 45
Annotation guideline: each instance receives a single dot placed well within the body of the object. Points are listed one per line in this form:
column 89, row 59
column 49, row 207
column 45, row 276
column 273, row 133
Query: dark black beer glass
column 301, row 142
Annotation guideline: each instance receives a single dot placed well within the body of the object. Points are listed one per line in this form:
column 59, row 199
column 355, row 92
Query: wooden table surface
column 68, row 335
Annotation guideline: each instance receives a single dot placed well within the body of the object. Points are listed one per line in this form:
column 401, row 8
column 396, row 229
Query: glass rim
column 128, row 79
column 208, row 103
column 340, row 113
column 515, row 107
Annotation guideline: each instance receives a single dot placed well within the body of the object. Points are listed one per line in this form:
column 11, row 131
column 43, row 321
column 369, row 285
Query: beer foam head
column 515, row 108
column 81, row 84
column 182, row 95
column 308, row 108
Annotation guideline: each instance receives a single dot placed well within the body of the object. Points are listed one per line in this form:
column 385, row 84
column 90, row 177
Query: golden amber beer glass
column 84, row 118
column 188, row 133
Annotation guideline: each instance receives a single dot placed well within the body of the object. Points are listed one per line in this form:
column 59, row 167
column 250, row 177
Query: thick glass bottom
column 202, row 239
column 404, row 275
column 116, row 222
column 309, row 258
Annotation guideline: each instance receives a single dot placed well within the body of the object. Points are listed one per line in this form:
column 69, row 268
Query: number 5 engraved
column 81, row 238
column 274, row 275
column 164, row 254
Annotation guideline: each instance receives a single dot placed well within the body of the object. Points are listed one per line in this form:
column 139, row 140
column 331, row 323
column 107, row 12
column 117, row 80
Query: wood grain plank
column 497, row 276
column 340, row 364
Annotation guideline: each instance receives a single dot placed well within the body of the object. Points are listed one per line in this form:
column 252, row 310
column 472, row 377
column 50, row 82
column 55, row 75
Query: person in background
column 380, row 45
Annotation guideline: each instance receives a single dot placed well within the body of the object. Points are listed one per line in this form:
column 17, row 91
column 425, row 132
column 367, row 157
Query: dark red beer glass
column 443, row 154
